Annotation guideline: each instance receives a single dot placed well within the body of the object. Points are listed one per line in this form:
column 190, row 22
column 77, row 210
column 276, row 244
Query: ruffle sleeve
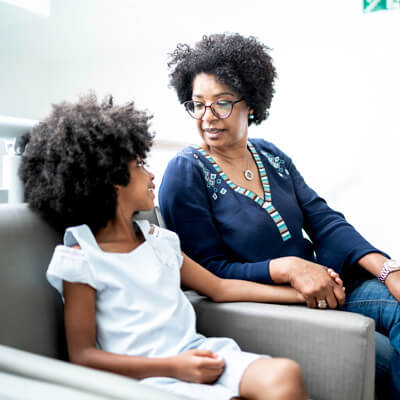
column 68, row 264
column 165, row 243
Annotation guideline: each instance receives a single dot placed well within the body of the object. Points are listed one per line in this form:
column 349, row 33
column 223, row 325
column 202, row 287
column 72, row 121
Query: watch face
column 392, row 265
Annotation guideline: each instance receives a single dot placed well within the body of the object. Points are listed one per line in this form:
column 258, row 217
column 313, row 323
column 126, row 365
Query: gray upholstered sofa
column 335, row 349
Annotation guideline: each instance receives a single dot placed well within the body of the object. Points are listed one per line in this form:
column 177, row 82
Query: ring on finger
column 322, row 304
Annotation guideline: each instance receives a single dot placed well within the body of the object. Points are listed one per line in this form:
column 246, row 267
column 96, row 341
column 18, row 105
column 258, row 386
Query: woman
column 240, row 206
column 83, row 169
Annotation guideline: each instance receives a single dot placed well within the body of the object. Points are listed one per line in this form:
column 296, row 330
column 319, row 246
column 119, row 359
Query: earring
column 251, row 117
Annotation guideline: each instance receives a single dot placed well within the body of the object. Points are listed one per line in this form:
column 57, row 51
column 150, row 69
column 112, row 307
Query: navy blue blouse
column 234, row 233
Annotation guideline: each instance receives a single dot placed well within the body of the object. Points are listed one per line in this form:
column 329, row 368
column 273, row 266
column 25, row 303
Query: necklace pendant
column 248, row 175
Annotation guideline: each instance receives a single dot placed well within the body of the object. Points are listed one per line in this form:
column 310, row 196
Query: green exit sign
column 376, row 5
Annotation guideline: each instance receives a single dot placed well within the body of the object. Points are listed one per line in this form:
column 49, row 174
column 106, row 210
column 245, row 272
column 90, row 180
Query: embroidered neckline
column 265, row 203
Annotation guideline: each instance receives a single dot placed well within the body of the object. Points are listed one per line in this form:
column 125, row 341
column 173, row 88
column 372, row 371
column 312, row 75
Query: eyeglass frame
column 211, row 108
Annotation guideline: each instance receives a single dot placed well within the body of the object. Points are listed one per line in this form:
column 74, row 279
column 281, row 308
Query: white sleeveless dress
column 140, row 307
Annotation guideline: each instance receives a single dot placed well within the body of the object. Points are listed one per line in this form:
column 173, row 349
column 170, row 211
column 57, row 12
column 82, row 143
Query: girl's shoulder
column 73, row 252
column 157, row 233
column 69, row 264
column 165, row 243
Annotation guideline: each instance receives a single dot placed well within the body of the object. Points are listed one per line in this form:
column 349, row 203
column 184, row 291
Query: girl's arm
column 217, row 289
column 200, row 366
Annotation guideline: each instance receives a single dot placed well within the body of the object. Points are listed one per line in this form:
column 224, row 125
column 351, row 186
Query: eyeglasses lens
column 195, row 109
column 221, row 109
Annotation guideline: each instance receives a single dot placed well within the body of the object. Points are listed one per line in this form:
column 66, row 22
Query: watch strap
column 388, row 267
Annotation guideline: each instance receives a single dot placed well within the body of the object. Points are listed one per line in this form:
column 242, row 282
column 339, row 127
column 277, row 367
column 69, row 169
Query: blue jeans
column 372, row 299
column 384, row 355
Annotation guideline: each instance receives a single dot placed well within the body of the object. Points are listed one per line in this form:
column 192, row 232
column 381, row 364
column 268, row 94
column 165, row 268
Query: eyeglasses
column 222, row 109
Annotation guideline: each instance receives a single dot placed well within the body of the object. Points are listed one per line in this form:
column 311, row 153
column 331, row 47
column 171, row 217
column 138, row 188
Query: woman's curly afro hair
column 241, row 63
column 72, row 159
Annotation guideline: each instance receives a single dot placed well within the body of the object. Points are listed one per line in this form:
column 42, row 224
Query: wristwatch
column 388, row 267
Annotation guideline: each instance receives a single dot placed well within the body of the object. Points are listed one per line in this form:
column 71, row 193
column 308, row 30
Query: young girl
column 83, row 168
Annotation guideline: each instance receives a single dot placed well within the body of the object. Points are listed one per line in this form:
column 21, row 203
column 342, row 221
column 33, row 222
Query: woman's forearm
column 373, row 262
column 238, row 290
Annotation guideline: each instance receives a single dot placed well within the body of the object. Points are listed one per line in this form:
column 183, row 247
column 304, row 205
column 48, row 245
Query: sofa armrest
column 55, row 374
column 335, row 349
column 14, row 387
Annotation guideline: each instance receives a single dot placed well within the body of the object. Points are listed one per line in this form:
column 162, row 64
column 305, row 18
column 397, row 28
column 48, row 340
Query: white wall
column 336, row 106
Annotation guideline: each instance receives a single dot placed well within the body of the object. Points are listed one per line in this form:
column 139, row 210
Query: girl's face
column 216, row 132
column 138, row 194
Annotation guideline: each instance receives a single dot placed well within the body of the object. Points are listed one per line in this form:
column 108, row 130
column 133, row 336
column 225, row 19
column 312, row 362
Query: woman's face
column 215, row 132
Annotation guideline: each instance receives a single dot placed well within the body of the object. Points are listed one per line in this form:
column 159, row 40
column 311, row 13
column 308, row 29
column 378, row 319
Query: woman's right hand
column 312, row 280
column 199, row 366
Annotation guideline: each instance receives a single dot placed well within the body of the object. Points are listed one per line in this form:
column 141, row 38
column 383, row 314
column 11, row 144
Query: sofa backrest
column 31, row 311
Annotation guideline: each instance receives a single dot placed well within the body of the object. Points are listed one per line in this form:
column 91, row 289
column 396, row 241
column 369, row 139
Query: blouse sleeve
column 68, row 264
column 336, row 242
column 165, row 243
column 186, row 209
